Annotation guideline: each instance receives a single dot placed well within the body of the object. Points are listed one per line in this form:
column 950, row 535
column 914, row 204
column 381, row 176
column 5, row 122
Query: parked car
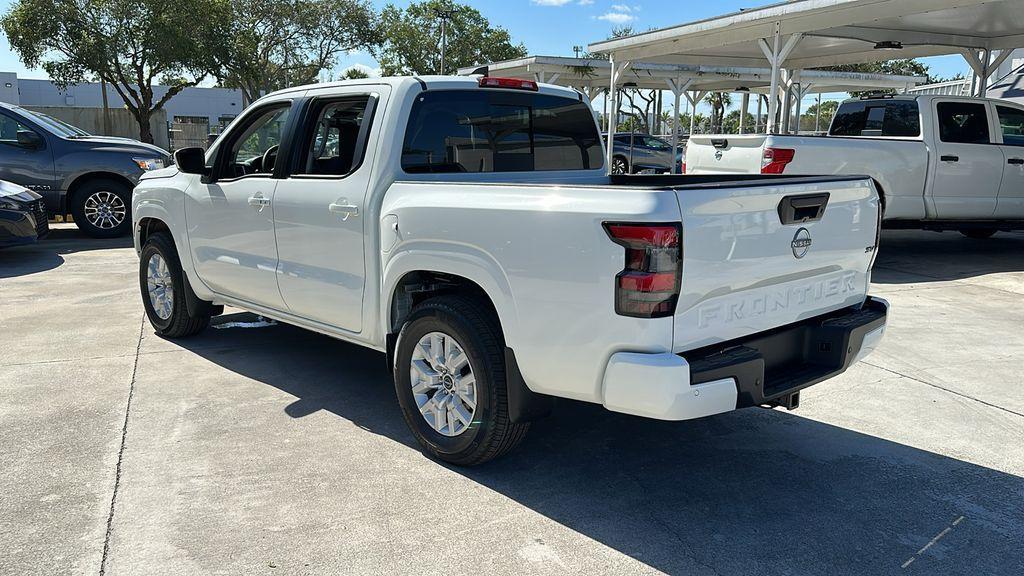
column 635, row 153
column 940, row 162
column 89, row 177
column 23, row 217
column 467, row 228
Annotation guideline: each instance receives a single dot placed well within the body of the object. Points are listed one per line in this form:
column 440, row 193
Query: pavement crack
column 954, row 392
column 120, row 452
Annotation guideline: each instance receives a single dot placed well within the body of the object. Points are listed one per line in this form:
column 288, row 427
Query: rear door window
column 499, row 131
column 336, row 144
column 963, row 123
column 877, row 118
column 1011, row 122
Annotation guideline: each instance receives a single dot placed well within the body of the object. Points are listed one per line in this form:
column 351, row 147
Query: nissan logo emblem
column 718, row 154
column 801, row 243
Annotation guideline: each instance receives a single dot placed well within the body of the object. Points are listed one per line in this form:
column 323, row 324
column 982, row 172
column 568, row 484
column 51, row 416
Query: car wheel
column 979, row 233
column 103, row 208
column 619, row 165
column 449, row 375
column 163, row 290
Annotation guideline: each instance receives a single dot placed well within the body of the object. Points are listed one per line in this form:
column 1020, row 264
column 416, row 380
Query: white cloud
column 550, row 2
column 620, row 8
column 617, row 17
column 585, row 2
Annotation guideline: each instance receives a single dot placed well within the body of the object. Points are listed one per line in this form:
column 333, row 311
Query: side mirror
column 191, row 160
column 29, row 139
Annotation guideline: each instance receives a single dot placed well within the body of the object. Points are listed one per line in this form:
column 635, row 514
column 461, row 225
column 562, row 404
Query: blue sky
column 553, row 27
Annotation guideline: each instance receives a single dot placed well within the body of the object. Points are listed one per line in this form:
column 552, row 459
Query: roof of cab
column 426, row 82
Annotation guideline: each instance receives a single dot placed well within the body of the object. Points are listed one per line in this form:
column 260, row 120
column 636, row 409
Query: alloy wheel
column 105, row 210
column 443, row 384
column 160, row 286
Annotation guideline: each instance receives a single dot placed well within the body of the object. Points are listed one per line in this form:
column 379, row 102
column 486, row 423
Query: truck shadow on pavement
column 916, row 256
column 751, row 492
column 49, row 252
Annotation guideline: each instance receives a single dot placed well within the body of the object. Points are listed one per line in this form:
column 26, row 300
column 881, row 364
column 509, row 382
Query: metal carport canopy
column 834, row 32
column 814, row 33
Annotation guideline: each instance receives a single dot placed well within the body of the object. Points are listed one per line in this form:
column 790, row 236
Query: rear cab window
column 963, row 123
column 453, row 131
column 896, row 118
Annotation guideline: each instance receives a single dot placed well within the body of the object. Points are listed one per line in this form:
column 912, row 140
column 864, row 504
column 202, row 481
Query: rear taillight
column 648, row 287
column 512, row 83
column 774, row 160
column 682, row 168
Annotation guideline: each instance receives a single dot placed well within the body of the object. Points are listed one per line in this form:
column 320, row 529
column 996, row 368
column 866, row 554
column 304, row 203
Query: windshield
column 59, row 127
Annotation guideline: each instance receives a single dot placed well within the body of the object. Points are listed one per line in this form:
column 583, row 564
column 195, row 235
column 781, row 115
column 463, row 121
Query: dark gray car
column 89, row 177
column 635, row 153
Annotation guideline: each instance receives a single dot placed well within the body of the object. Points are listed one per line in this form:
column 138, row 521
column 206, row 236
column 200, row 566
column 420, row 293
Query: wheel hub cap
column 443, row 384
column 160, row 287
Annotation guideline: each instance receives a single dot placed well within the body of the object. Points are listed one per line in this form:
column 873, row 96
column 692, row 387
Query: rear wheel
column 979, row 233
column 102, row 208
column 163, row 290
column 449, row 376
column 620, row 165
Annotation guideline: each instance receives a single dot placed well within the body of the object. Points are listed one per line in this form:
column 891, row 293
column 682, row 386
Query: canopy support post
column 678, row 87
column 743, row 111
column 776, row 55
column 817, row 115
column 617, row 71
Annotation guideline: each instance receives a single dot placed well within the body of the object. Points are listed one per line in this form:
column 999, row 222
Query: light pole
column 577, row 50
column 444, row 15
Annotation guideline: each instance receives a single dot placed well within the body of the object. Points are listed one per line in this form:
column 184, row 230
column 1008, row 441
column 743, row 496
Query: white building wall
column 211, row 103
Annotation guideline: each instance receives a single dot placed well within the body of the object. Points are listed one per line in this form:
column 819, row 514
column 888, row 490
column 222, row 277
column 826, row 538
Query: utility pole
column 444, row 15
column 577, row 50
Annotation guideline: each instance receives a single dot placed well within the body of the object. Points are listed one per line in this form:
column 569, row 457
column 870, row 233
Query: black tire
column 979, row 233
column 179, row 323
column 107, row 189
column 620, row 165
column 491, row 433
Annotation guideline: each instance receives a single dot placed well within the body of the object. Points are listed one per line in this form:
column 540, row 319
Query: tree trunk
column 145, row 130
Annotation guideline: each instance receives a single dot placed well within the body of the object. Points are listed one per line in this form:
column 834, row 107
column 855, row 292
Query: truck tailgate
column 759, row 255
column 726, row 154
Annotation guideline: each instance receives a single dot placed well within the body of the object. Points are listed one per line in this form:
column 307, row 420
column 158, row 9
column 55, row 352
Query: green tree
column 731, row 122
column 828, row 110
column 130, row 44
column 718, row 101
column 272, row 44
column 354, row 74
column 412, row 39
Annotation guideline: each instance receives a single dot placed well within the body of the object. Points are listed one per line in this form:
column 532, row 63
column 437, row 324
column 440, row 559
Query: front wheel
column 102, row 208
column 979, row 233
column 449, row 376
column 163, row 290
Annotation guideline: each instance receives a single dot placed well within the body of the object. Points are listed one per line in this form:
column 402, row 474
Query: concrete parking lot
column 271, row 450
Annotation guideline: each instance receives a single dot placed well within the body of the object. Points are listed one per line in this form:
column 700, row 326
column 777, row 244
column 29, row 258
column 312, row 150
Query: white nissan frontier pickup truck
column 939, row 162
column 466, row 227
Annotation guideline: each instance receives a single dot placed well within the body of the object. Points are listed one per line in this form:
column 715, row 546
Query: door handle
column 258, row 201
column 950, row 158
column 343, row 208
column 1015, row 161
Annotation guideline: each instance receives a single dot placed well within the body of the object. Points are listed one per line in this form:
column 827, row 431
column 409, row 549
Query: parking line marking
column 931, row 542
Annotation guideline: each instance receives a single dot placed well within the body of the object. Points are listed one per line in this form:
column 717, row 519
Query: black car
column 23, row 217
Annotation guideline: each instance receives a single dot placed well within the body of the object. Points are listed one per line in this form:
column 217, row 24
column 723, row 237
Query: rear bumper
column 769, row 368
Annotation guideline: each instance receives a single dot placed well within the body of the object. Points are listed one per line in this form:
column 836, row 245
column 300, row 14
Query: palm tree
column 718, row 101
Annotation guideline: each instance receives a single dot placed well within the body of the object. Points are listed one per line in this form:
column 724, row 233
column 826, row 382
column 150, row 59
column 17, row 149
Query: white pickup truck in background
column 940, row 162
column 467, row 228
